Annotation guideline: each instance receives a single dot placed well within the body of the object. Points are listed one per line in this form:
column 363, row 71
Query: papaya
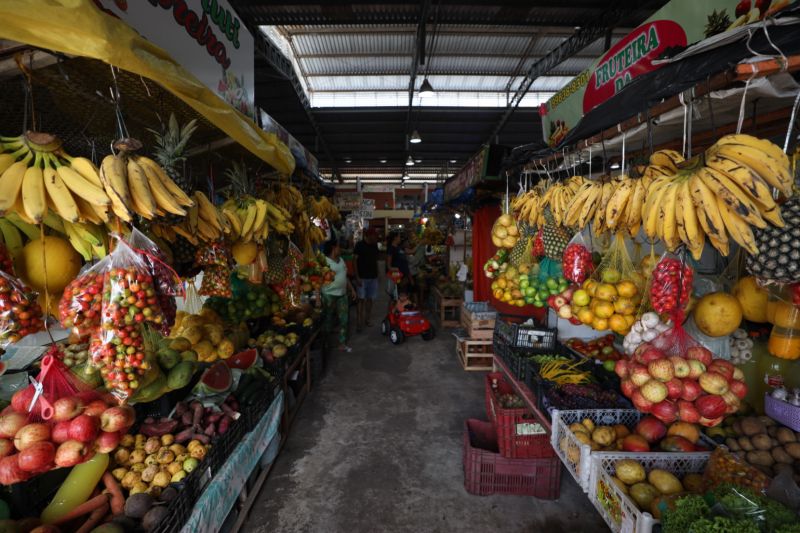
column 168, row 358
column 152, row 391
column 180, row 375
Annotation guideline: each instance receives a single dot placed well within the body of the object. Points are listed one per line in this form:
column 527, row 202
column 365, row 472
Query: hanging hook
column 682, row 101
column 791, row 124
column 744, row 99
column 590, row 160
column 622, row 165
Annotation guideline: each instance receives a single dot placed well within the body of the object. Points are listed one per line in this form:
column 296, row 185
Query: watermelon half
column 216, row 379
column 243, row 360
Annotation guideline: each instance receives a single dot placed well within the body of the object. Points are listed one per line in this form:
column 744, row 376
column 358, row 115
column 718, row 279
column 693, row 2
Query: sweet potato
column 745, row 444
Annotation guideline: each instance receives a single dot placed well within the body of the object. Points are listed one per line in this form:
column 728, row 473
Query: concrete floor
column 377, row 446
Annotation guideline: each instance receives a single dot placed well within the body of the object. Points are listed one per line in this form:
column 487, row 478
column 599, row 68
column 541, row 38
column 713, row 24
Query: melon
column 752, row 298
column 216, row 379
column 61, row 260
column 243, row 360
column 718, row 314
column 244, row 253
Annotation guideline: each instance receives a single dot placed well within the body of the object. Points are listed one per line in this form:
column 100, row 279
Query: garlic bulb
column 649, row 335
column 650, row 320
column 739, row 334
column 780, row 394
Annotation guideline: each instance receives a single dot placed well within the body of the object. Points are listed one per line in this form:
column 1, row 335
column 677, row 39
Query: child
column 403, row 303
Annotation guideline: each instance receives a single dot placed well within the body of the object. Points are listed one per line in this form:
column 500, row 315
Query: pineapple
column 240, row 185
column 554, row 237
column 171, row 143
column 718, row 22
column 779, row 248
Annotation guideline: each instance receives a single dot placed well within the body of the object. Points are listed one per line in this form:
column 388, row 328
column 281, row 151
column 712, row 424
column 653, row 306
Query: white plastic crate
column 617, row 509
column 567, row 446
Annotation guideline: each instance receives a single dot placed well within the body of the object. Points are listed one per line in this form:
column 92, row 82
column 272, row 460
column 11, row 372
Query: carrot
column 86, row 507
column 117, row 499
column 94, row 519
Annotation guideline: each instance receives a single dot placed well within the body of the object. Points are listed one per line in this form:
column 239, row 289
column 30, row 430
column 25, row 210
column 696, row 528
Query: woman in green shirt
column 335, row 302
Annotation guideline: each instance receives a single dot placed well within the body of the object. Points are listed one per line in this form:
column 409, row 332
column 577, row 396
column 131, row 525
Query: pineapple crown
column 172, row 140
column 240, row 184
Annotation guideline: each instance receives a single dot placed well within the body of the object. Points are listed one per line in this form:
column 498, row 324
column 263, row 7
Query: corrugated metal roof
column 470, row 83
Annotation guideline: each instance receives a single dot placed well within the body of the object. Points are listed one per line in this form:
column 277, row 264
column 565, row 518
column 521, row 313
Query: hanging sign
column 206, row 37
column 676, row 25
column 467, row 176
column 347, row 201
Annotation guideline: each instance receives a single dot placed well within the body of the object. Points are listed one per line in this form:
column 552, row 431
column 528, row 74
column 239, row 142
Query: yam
column 780, row 456
column 785, row 435
column 745, row 444
column 760, row 458
column 761, row 442
column 732, row 444
column 752, row 426
column 793, row 449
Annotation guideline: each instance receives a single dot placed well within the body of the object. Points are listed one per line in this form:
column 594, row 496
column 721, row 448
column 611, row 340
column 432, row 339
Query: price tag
column 20, row 357
column 529, row 428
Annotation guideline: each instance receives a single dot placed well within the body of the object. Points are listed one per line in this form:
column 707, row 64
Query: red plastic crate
column 519, row 433
column 487, row 472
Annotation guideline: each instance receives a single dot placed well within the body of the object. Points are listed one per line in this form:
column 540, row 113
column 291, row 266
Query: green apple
column 551, row 283
column 580, row 298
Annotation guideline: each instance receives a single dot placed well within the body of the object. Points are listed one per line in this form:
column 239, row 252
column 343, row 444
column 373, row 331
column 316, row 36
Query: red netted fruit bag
column 576, row 262
column 676, row 340
column 20, row 314
column 670, row 285
column 82, row 301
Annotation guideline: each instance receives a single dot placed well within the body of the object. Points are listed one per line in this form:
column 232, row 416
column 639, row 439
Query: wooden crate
column 476, row 329
column 446, row 309
column 475, row 354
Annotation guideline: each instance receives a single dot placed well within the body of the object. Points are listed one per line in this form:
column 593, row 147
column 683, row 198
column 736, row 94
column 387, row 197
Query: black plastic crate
column 179, row 509
column 222, row 447
column 534, row 337
column 514, row 359
column 253, row 412
column 29, row 498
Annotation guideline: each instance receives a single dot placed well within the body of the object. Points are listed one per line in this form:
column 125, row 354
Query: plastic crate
column 522, row 336
column 253, row 412
column 616, row 508
column 180, row 508
column 519, row 434
column 487, row 472
column 515, row 360
column 783, row 412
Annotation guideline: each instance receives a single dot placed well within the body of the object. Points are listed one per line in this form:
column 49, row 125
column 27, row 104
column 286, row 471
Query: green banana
column 30, row 230
column 11, row 237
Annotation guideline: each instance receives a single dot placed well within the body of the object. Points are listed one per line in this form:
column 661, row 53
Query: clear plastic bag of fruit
column 81, row 304
column 576, row 262
column 725, row 468
column 215, row 254
column 193, row 303
column 129, row 303
column 20, row 314
column 670, row 285
column 216, row 282
column 167, row 283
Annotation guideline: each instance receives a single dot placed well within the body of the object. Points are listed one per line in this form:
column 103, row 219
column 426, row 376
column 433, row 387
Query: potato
column 785, row 435
column 780, row 456
column 752, row 426
column 737, row 426
column 761, row 442
column 774, row 442
column 732, row 444
column 793, row 449
column 767, row 421
column 772, row 431
column 783, row 467
column 760, row 458
column 745, row 444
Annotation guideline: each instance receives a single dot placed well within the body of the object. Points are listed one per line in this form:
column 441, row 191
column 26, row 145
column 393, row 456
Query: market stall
column 663, row 251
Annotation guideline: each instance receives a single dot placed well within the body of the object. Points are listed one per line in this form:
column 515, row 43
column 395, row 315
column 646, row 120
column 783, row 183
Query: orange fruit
column 600, row 324
column 590, row 286
column 624, row 306
column 586, row 316
column 604, row 309
column 606, row 291
column 618, row 324
column 627, row 289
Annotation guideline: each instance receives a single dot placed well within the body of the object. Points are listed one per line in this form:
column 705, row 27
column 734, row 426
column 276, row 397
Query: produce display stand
column 523, row 392
column 446, row 309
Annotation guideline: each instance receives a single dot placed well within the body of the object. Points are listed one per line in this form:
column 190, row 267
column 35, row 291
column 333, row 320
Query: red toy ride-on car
column 401, row 324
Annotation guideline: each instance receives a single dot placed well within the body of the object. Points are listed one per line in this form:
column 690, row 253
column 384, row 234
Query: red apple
column 60, row 432
column 713, row 383
column 117, row 418
column 6, row 447
column 687, row 412
column 107, row 441
column 690, row 390
column 676, row 443
column 639, row 374
column 722, row 367
column 732, row 401
column 11, row 423
column 38, row 457
column 739, row 388
column 635, row 443
column 661, row 369
column 84, row 428
column 10, row 472
column 71, row 453
column 21, row 401
column 696, row 369
column 622, row 368
column 653, row 391
column 95, row 408
column 627, row 387
column 710, row 422
column 680, row 365
column 674, row 388
column 700, row 353
column 66, row 408
column 640, row 403
column 666, row 411
column 31, row 433
column 711, row 406
column 651, row 428
column 651, row 354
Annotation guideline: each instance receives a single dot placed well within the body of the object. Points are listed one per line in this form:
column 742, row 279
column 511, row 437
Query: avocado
column 168, row 358
column 181, row 375
column 152, row 391
column 154, row 517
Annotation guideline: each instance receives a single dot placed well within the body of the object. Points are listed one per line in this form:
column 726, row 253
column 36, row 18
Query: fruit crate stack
column 478, row 319
column 474, row 354
column 446, row 309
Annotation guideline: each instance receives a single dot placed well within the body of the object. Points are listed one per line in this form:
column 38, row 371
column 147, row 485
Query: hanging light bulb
column 405, row 175
column 426, row 89
column 410, row 162
column 415, row 138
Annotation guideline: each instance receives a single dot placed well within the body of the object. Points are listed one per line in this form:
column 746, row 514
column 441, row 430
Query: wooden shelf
column 524, row 392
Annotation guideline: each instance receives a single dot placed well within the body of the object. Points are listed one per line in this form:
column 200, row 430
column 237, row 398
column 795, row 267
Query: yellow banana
column 668, row 159
column 617, row 204
column 180, row 196
column 142, row 199
column 261, row 214
column 235, row 222
column 751, row 184
column 692, row 228
column 113, row 175
column 80, row 245
column 737, row 227
column 34, row 199
column 708, row 214
column 732, row 195
column 6, row 160
column 80, row 185
column 85, row 168
column 650, row 210
column 60, row 196
column 772, row 150
column 189, row 236
column 774, row 172
column 11, row 183
column 163, row 197
column 668, row 216
column 207, row 210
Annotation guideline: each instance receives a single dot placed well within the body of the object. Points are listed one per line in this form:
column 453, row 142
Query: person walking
column 335, row 304
column 366, row 277
column 396, row 260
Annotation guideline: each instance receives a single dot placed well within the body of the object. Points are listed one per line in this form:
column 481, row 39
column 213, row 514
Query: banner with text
column 205, row 36
column 676, row 25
